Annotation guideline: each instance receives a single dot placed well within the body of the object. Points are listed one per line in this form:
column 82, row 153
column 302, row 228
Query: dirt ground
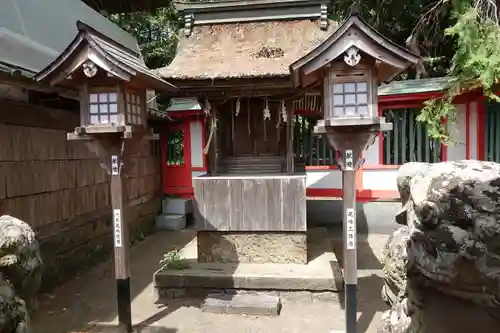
column 87, row 303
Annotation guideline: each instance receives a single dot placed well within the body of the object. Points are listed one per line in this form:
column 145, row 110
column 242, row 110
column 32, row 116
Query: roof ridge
column 236, row 11
column 83, row 27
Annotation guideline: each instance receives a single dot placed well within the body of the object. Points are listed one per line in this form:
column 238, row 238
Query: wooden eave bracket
column 104, row 146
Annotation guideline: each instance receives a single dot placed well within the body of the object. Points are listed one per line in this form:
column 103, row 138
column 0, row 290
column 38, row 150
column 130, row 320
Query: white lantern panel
column 113, row 97
column 338, row 111
column 363, row 110
column 113, row 118
column 361, row 87
column 94, row 119
column 350, row 111
column 103, row 98
column 361, row 98
column 349, row 87
column 113, row 108
column 338, row 100
column 338, row 88
column 350, row 99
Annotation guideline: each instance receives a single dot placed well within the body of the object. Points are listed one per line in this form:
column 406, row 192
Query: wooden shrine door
column 254, row 136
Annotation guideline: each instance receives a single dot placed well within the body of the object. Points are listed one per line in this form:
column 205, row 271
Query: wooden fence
column 59, row 187
column 492, row 131
column 407, row 142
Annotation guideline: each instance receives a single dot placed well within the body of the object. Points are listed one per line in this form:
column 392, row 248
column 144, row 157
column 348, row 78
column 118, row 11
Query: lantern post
column 112, row 81
column 347, row 68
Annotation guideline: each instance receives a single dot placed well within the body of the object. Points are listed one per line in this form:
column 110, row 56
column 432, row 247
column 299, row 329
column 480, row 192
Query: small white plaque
column 115, row 165
column 351, row 228
column 349, row 160
column 117, row 227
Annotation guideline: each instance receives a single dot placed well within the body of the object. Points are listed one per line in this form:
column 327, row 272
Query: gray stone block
column 255, row 304
column 178, row 206
column 170, row 222
column 371, row 217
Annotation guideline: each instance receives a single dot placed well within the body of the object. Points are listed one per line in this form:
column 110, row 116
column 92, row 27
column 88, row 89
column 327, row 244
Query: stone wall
column 59, row 188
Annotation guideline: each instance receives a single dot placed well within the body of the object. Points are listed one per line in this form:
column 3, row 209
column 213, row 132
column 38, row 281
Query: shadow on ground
column 149, row 329
column 93, row 297
column 88, row 303
column 370, row 277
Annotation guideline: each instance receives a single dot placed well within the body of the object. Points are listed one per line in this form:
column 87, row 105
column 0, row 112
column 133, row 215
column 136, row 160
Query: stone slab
column 170, row 222
column 254, row 304
column 322, row 273
column 163, row 295
column 372, row 218
column 178, row 206
column 252, row 247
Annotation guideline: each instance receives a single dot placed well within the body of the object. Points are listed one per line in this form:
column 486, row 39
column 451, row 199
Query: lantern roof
column 109, row 55
column 354, row 33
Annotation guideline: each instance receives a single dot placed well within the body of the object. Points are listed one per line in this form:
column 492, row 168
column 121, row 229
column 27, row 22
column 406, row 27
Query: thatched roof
column 244, row 50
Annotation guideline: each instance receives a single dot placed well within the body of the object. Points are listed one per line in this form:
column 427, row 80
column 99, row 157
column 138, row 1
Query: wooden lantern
column 112, row 107
column 349, row 66
column 112, row 80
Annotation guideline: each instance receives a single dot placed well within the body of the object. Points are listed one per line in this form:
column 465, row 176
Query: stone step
column 255, row 168
column 255, row 158
column 254, row 163
column 170, row 222
column 253, row 304
column 180, row 206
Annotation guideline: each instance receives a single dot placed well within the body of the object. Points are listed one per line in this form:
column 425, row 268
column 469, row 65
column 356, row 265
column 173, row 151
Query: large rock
column 405, row 173
column 14, row 316
column 20, row 260
column 449, row 249
column 20, row 274
column 395, row 262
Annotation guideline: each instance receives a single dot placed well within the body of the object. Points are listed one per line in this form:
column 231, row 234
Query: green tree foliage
column 456, row 38
column 417, row 24
column 475, row 63
column 155, row 31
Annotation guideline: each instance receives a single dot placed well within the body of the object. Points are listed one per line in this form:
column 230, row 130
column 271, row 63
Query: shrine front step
column 197, row 282
column 320, row 278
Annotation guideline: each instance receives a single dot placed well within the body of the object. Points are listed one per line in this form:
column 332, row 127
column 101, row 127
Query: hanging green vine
column 476, row 62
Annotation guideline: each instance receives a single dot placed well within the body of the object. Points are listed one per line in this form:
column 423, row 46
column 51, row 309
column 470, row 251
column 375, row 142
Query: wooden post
column 121, row 243
column 114, row 153
column 350, row 159
column 214, row 144
column 289, row 138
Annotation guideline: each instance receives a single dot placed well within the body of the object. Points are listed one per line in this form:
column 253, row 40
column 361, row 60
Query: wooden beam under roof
column 238, row 11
